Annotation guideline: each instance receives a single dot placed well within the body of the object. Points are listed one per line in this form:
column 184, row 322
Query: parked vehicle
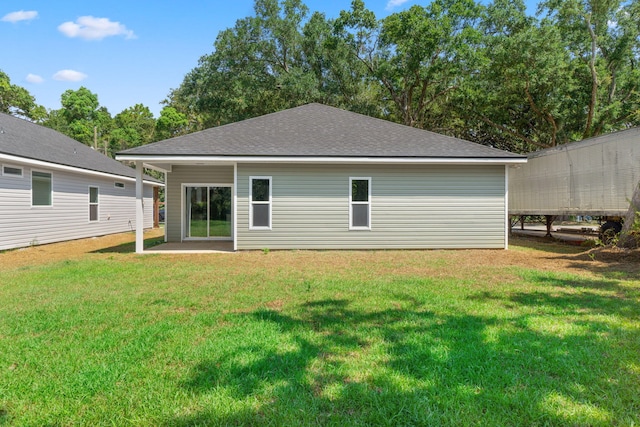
column 595, row 177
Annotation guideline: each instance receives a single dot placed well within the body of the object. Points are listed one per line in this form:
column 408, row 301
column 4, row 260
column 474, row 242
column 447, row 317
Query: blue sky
column 127, row 52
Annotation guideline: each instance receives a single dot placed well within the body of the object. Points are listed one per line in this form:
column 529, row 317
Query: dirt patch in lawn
column 71, row 250
column 534, row 253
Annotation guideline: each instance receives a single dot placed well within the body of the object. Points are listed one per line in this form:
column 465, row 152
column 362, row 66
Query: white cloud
column 21, row 15
column 392, row 4
column 69, row 76
column 34, row 78
column 90, row 28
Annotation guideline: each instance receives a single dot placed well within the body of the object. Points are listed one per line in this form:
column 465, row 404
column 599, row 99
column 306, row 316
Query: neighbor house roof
column 316, row 130
column 21, row 138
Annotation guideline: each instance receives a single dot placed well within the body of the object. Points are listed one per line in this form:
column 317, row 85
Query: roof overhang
column 164, row 163
column 55, row 166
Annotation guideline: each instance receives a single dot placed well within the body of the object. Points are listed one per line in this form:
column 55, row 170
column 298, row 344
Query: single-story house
column 318, row 177
column 54, row 188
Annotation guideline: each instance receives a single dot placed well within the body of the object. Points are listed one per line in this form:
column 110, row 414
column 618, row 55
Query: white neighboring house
column 54, row 188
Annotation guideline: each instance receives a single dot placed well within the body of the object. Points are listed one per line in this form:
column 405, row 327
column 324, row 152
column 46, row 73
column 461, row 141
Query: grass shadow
column 130, row 247
column 609, row 262
column 241, row 379
column 571, row 295
column 432, row 368
column 546, row 244
column 610, row 266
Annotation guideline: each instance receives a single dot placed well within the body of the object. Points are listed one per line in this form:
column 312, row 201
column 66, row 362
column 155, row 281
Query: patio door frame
column 186, row 216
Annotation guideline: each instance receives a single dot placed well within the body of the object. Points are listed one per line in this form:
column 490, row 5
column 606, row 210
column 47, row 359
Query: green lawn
column 217, row 228
column 317, row 338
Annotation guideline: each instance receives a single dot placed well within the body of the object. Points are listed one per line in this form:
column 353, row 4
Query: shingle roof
column 22, row 138
column 316, row 130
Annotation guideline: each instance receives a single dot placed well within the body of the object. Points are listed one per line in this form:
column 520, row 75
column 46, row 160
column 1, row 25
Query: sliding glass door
column 220, row 212
column 208, row 212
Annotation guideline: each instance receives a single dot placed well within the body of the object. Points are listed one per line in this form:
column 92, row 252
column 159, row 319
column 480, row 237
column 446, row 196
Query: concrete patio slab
column 200, row 247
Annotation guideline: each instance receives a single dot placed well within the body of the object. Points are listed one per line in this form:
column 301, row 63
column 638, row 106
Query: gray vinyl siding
column 68, row 217
column 173, row 196
column 412, row 206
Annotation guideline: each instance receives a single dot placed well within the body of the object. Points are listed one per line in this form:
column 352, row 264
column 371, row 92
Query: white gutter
column 336, row 160
column 55, row 166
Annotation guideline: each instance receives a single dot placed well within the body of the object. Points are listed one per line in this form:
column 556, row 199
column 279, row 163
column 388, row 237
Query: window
column 12, row 171
column 118, row 184
column 260, row 203
column 93, row 203
column 40, row 188
column 360, row 203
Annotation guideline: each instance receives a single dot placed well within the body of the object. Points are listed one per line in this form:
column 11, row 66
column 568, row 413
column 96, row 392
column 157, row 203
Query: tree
column 274, row 60
column 340, row 78
column 134, row 126
column 80, row 104
column 493, row 74
column 603, row 38
column 630, row 235
column 17, row 101
column 81, row 117
column 171, row 123
column 254, row 69
column 418, row 56
column 517, row 98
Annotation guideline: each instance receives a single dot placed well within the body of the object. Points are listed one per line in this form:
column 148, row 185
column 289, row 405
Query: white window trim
column 251, row 202
column 11, row 175
column 122, row 185
column 351, row 202
column 96, row 204
column 31, row 189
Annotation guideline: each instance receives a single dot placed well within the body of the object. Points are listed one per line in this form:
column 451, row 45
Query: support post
column 166, row 212
column 139, row 209
column 549, row 220
column 507, row 220
column 235, row 207
column 156, row 207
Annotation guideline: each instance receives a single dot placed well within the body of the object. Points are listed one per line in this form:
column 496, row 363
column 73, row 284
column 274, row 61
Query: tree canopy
column 489, row 73
column 17, row 100
column 84, row 119
column 277, row 59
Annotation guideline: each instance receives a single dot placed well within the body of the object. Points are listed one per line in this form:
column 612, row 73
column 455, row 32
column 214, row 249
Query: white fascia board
column 326, row 160
column 55, row 166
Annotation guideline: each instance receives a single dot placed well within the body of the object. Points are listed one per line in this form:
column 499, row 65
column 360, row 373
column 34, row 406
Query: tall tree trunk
column 627, row 240
column 594, row 79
